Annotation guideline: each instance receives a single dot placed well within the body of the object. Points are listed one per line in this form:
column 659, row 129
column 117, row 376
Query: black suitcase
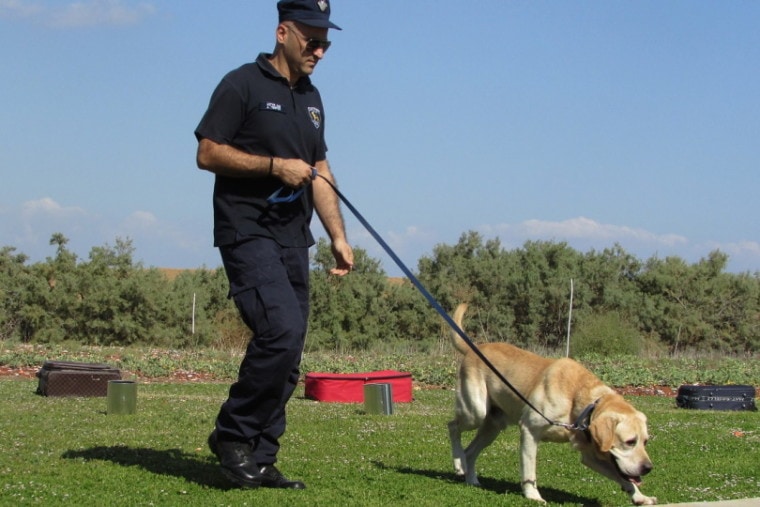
column 738, row 397
column 69, row 378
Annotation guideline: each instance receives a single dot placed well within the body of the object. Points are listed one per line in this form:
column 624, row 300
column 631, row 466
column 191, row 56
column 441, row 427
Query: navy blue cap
column 309, row 12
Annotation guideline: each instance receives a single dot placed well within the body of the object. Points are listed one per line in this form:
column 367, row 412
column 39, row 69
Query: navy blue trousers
column 270, row 287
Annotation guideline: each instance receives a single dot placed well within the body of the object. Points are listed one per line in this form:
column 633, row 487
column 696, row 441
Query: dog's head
column 619, row 435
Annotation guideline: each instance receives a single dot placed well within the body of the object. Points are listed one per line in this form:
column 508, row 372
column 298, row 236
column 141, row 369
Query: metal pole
column 193, row 324
column 569, row 319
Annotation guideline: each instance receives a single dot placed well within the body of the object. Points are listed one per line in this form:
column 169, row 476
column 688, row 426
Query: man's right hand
column 293, row 172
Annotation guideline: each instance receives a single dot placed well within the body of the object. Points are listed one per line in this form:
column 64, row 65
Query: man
column 263, row 138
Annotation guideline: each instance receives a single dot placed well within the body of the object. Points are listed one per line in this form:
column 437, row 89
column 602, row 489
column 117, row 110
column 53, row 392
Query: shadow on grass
column 499, row 486
column 170, row 462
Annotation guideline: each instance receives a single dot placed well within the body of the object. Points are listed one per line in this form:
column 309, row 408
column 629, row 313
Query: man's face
column 304, row 47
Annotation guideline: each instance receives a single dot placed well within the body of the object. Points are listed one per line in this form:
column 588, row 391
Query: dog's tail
column 459, row 344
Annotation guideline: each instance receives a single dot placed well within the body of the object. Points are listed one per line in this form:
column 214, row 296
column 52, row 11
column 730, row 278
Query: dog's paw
column 536, row 498
column 530, row 491
column 640, row 499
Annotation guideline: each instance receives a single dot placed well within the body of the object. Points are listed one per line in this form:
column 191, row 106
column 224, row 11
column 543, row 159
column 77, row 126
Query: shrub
column 606, row 334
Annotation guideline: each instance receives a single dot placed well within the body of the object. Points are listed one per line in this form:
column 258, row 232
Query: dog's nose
column 646, row 468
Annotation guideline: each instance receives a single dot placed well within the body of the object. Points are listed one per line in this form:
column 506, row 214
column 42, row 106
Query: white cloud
column 77, row 14
column 40, row 218
column 29, row 226
column 584, row 234
column 743, row 256
column 48, row 208
column 140, row 221
column 738, row 248
column 160, row 241
column 582, row 228
column 145, row 227
column 411, row 235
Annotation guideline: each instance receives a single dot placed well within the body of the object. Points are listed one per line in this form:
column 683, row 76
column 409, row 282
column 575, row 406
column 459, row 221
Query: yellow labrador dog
column 563, row 390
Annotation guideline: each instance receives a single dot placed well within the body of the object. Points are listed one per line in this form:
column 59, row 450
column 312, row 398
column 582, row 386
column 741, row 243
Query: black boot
column 236, row 462
column 239, row 467
column 273, row 478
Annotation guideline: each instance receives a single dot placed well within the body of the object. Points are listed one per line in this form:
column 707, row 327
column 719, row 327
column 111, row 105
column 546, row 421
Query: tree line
column 620, row 304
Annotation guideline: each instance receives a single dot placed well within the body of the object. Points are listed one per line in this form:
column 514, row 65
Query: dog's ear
column 602, row 429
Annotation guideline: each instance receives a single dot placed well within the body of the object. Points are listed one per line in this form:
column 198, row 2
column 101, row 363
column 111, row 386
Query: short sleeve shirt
column 254, row 109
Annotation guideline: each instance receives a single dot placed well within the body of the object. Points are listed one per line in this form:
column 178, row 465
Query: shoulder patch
column 315, row 115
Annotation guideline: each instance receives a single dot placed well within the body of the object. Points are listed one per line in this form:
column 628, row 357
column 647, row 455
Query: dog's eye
column 631, row 442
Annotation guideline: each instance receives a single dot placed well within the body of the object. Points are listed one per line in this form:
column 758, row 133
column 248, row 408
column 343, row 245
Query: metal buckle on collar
column 584, row 420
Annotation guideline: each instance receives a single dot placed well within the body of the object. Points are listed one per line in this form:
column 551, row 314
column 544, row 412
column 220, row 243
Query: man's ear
column 280, row 32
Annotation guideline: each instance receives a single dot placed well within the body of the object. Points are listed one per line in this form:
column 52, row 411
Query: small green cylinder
column 122, row 397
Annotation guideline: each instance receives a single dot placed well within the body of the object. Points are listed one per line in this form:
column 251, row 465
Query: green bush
column 607, row 334
column 521, row 296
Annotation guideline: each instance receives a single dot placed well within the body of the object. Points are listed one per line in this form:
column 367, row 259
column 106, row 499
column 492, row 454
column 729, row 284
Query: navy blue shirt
column 254, row 109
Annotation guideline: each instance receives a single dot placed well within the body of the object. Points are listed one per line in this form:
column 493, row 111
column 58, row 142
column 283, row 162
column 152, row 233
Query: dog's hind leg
column 457, row 452
column 492, row 425
column 470, row 411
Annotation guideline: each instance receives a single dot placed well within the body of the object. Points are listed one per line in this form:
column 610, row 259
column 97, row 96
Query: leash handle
column 436, row 305
column 277, row 198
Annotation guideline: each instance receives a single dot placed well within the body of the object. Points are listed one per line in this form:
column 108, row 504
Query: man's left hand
column 344, row 258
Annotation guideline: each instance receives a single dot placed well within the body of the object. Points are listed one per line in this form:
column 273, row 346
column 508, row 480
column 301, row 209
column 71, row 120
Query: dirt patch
column 189, row 376
column 30, row 372
column 26, row 372
column 647, row 391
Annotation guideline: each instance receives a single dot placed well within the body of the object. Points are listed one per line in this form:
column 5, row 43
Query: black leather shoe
column 235, row 459
column 238, row 467
column 270, row 477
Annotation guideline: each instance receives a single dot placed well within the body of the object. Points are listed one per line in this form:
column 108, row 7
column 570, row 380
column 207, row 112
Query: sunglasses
column 314, row 44
column 311, row 43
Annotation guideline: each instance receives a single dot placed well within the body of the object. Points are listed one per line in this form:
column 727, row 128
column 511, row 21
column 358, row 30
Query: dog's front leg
column 528, row 453
column 637, row 497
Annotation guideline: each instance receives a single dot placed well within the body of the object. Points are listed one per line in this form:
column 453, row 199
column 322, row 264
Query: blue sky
column 593, row 123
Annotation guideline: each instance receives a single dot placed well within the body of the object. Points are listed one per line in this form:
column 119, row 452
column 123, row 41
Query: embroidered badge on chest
column 316, row 116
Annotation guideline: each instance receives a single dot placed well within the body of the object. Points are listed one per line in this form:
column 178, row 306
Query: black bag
column 68, row 378
column 716, row 397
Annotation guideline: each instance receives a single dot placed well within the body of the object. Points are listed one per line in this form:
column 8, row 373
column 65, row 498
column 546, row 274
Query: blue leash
column 582, row 422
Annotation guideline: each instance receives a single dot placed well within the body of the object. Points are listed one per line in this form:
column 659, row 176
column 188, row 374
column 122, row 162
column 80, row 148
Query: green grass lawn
column 67, row 451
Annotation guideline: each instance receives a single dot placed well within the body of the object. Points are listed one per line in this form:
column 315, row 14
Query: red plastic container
column 349, row 387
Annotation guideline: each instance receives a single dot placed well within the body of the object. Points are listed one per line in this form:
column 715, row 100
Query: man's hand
column 344, row 258
column 293, row 172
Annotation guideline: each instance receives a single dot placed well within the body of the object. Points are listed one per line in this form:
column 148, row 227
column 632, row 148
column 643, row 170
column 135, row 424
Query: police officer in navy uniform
column 263, row 137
